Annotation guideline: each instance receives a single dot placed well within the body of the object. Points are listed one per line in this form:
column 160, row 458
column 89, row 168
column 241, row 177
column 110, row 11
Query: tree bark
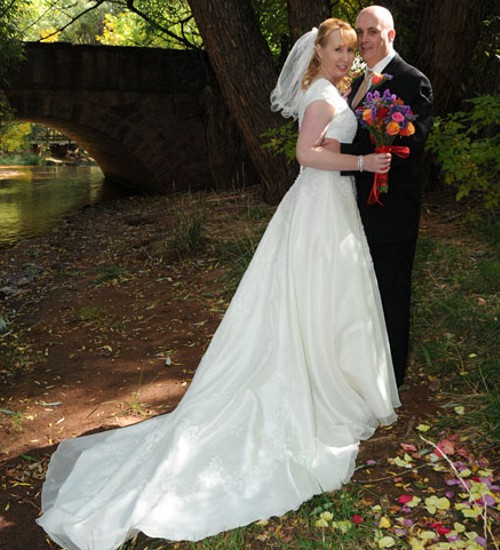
column 445, row 45
column 244, row 69
column 229, row 163
column 303, row 16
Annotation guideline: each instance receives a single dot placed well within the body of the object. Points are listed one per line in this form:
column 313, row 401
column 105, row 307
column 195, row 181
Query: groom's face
column 375, row 37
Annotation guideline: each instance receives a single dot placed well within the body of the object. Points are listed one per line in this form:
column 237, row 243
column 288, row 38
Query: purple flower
column 481, row 541
column 408, row 522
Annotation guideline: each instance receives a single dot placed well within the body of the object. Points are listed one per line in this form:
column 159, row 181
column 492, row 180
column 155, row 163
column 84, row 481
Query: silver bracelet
column 361, row 163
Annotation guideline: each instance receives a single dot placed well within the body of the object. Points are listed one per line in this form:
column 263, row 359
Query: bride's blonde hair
column 348, row 35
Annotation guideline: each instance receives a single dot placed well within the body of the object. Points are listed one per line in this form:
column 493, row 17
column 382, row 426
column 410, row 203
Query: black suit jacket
column 397, row 220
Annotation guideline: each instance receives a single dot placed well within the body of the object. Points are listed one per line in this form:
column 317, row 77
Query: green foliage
column 172, row 21
column 13, row 136
column 467, row 148
column 273, row 21
column 10, row 45
column 124, row 29
column 24, row 159
column 143, row 23
column 281, row 140
column 63, row 21
column 11, row 50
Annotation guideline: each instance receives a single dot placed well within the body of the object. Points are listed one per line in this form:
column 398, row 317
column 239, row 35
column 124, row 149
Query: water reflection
column 34, row 198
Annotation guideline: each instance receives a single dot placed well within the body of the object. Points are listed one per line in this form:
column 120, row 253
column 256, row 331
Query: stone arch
column 127, row 147
column 137, row 111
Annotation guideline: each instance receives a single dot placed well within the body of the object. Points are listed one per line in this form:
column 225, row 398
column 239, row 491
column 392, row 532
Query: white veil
column 287, row 94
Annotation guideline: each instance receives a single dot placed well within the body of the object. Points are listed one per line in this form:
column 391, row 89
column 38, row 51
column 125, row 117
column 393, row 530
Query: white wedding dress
column 297, row 373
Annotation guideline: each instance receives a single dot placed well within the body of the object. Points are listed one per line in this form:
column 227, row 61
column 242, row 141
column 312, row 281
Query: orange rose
column 392, row 128
column 409, row 130
column 377, row 79
column 367, row 116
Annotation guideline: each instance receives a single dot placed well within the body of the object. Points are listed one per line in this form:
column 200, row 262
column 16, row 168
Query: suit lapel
column 355, row 86
column 392, row 67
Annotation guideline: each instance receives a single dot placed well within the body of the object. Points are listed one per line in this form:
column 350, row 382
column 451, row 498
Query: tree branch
column 182, row 39
column 73, row 19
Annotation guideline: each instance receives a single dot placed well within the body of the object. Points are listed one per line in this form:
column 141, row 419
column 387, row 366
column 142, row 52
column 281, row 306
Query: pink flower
column 357, row 519
column 440, row 528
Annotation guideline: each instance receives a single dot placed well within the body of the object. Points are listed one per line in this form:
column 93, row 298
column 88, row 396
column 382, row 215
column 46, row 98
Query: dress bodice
column 343, row 126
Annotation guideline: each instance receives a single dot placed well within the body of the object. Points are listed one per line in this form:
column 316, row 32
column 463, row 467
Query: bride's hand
column 377, row 162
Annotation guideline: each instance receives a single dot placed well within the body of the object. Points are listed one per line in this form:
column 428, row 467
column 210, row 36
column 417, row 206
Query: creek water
column 33, row 199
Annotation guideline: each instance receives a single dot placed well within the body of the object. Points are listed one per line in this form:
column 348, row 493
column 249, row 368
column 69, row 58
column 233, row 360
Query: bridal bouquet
column 385, row 116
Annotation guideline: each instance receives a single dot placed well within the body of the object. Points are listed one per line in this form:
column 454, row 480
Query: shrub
column 466, row 144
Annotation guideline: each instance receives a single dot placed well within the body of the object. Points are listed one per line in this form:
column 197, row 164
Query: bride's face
column 335, row 56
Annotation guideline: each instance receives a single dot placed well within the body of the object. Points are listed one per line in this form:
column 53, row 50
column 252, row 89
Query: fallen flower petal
column 423, row 428
column 384, row 522
column 386, row 542
column 427, row 535
column 342, row 525
column 356, row 519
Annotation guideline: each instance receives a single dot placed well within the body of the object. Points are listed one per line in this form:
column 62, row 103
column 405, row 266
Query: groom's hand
column 331, row 144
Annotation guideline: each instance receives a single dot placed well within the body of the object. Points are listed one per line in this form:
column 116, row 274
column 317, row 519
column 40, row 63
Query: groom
column 392, row 229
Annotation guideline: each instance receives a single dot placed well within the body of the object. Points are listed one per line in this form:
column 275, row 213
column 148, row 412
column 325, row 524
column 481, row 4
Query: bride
column 298, row 372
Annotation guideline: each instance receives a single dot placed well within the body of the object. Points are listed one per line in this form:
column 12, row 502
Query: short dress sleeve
column 343, row 125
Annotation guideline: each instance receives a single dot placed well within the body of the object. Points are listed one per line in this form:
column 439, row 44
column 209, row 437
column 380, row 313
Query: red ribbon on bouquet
column 381, row 181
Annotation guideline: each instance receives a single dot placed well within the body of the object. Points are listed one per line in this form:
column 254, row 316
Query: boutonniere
column 380, row 78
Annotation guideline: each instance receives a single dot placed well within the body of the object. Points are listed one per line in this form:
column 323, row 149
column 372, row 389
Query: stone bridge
column 151, row 118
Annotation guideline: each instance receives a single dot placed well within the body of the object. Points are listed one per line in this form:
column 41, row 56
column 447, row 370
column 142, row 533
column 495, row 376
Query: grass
column 455, row 328
column 92, row 314
column 189, row 233
column 110, row 273
column 134, row 406
column 237, row 251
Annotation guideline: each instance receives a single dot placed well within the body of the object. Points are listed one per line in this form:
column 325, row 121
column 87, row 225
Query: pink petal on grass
column 356, row 519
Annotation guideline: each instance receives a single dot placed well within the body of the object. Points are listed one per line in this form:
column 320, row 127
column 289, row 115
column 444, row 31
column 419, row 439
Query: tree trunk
column 446, row 42
column 229, row 163
column 303, row 16
column 243, row 65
